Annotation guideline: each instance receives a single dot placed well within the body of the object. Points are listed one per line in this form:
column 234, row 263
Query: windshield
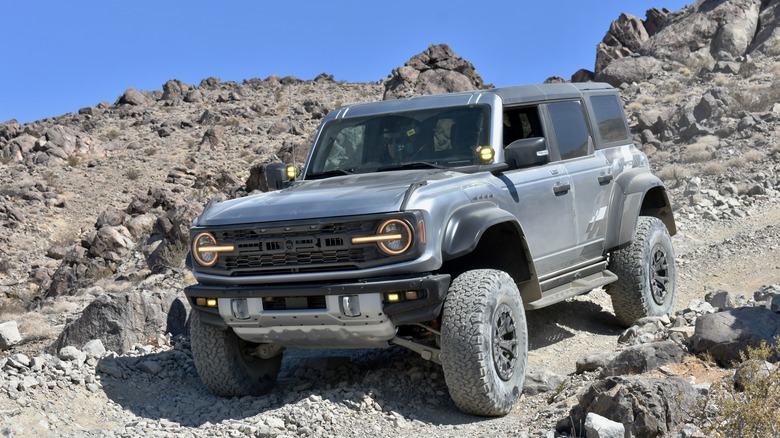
column 430, row 138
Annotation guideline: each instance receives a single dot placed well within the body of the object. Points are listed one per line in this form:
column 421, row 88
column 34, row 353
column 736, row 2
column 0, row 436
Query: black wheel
column 228, row 365
column 484, row 342
column 647, row 280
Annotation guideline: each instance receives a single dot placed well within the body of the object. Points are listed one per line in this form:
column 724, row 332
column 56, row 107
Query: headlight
column 393, row 237
column 205, row 249
column 396, row 236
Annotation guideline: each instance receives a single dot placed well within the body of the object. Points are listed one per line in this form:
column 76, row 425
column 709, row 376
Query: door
column 590, row 175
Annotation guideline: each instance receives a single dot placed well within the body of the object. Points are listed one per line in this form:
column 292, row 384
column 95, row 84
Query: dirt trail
column 736, row 256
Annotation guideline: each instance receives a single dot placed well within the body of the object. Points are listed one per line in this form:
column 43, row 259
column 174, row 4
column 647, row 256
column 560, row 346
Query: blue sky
column 59, row 56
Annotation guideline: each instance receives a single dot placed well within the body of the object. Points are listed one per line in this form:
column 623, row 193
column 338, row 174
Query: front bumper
column 346, row 315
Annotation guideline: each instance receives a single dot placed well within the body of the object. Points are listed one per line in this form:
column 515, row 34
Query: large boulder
column 624, row 38
column 174, row 90
column 642, row 358
column 132, row 96
column 122, row 320
column 629, row 70
column 647, row 407
column 767, row 39
column 713, row 28
column 436, row 70
column 724, row 335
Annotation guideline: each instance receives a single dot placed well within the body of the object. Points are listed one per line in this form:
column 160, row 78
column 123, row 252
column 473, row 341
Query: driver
column 399, row 145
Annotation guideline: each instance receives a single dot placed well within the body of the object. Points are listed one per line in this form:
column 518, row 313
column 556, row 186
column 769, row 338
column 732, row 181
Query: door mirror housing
column 527, row 152
column 277, row 176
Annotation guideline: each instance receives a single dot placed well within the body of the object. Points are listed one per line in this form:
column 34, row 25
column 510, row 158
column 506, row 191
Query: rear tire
column 647, row 277
column 226, row 363
column 484, row 344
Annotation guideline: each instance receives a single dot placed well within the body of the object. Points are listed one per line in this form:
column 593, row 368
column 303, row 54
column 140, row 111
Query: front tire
column 484, row 344
column 227, row 365
column 647, row 277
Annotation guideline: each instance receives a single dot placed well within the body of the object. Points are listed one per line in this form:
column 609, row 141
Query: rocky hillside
column 95, row 207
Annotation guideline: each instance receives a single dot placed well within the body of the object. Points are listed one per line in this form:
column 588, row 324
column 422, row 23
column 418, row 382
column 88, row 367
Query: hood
column 339, row 196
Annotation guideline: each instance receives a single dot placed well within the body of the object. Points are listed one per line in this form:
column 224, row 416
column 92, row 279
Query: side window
column 609, row 116
column 570, row 128
column 521, row 123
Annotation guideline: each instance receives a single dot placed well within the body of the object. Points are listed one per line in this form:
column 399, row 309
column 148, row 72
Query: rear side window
column 609, row 116
column 570, row 128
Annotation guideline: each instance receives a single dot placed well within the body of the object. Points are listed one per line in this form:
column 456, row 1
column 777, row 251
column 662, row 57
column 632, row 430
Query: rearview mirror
column 276, row 176
column 527, row 152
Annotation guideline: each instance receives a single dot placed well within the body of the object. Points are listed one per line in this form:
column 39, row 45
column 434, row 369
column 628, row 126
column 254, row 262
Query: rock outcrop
column 436, row 70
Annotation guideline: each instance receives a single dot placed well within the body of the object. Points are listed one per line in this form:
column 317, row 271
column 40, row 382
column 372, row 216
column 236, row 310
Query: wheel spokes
column 659, row 275
column 504, row 342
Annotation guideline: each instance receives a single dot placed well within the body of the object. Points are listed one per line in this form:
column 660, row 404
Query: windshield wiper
column 414, row 165
column 329, row 173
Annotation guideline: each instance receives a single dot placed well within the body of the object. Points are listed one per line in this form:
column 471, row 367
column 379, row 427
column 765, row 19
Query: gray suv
column 433, row 223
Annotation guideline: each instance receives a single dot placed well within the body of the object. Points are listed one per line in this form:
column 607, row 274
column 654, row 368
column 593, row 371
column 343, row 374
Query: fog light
column 411, row 295
column 393, row 297
column 208, row 302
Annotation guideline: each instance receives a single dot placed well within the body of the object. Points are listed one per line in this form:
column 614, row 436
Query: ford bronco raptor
column 434, row 223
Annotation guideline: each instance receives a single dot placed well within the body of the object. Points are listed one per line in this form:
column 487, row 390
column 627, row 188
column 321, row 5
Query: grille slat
column 288, row 248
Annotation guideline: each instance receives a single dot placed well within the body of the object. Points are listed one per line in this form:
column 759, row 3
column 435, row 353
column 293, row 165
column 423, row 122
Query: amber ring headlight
column 396, row 236
column 206, row 251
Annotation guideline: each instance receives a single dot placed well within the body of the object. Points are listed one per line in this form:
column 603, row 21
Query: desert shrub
column 661, row 156
column 696, row 153
column 112, row 134
column 173, row 255
column 712, row 168
column 635, row 106
column 133, row 174
column 671, row 87
column 748, row 69
column 754, row 408
column 674, row 173
column 720, row 79
column 753, row 155
column 736, row 162
column 34, row 327
column 755, row 97
column 646, row 100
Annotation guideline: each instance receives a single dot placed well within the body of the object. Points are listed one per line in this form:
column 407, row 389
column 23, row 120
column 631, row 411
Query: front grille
column 284, row 248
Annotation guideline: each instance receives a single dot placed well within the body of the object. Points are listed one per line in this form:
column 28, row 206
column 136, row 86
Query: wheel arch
column 640, row 194
column 481, row 236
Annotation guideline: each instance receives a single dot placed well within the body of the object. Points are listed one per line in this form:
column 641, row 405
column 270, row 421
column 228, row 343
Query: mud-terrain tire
column 484, row 342
column 647, row 278
column 224, row 362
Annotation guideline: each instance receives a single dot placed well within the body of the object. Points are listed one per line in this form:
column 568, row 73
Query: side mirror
column 527, row 152
column 277, row 176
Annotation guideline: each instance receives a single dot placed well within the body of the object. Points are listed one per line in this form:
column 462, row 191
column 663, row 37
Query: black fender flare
column 629, row 203
column 467, row 224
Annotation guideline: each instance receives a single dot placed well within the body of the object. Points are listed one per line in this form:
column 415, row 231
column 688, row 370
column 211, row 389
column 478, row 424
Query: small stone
column 597, row 426
column 275, row 423
column 9, row 335
column 19, row 361
column 94, row 348
column 73, row 354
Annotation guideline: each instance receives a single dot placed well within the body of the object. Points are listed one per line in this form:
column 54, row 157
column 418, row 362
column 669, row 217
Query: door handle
column 561, row 188
column 605, row 179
